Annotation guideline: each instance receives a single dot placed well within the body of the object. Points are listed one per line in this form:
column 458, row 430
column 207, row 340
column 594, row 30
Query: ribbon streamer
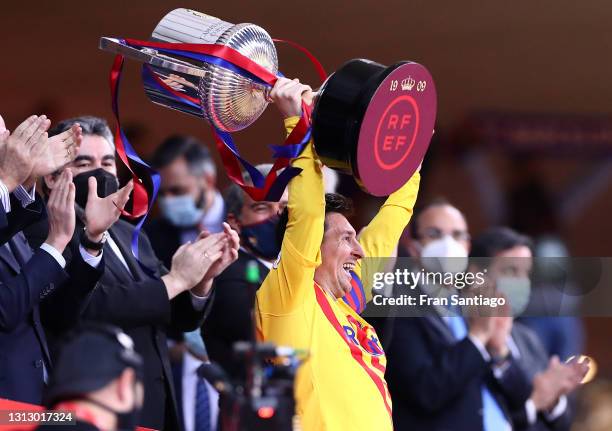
column 142, row 199
column 270, row 187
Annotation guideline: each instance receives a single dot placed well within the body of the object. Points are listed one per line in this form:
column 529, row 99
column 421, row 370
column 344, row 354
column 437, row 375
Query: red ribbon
column 140, row 197
column 229, row 158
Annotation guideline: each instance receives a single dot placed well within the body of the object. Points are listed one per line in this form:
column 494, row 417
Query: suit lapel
column 122, row 239
column 436, row 322
column 7, row 256
column 21, row 248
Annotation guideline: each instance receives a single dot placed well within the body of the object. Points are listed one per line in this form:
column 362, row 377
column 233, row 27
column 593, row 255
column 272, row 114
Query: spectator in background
column 508, row 272
column 30, row 279
column 445, row 373
column 98, row 378
column 198, row 401
column 189, row 201
column 554, row 292
column 230, row 318
column 141, row 296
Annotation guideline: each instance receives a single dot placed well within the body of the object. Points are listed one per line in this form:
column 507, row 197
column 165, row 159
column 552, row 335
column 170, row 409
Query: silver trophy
column 226, row 99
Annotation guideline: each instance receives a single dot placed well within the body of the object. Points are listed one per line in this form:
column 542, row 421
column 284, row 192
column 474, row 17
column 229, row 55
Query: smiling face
column 340, row 252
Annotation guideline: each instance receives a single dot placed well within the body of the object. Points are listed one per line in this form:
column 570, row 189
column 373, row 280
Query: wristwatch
column 91, row 245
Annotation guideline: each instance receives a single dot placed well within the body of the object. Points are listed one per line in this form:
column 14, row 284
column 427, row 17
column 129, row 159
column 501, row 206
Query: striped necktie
column 202, row 407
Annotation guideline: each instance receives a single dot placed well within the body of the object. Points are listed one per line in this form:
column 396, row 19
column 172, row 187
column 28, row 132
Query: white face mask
column 445, row 255
column 517, row 291
column 181, row 211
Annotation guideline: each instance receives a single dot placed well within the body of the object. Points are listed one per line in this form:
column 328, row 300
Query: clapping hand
column 191, row 262
column 102, row 213
column 557, row 380
column 229, row 253
column 18, row 150
column 60, row 210
column 58, row 151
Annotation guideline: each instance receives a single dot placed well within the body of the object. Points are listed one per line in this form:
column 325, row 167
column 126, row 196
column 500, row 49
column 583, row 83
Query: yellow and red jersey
column 341, row 385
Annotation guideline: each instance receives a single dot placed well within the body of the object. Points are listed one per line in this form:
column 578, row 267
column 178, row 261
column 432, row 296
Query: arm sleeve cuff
column 558, row 410
column 55, row 254
column 25, row 197
column 198, row 302
column 481, row 348
column 93, row 261
column 532, row 413
column 5, row 198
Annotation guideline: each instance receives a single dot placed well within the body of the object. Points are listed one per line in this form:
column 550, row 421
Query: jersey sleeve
column 380, row 237
column 292, row 274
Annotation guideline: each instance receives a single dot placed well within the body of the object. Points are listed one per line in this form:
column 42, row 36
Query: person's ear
column 233, row 222
column 50, row 180
column 125, row 388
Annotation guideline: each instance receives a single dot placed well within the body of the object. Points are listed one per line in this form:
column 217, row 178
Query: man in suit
column 230, row 318
column 141, row 296
column 198, row 401
column 189, row 201
column 31, row 278
column 508, row 269
column 442, row 372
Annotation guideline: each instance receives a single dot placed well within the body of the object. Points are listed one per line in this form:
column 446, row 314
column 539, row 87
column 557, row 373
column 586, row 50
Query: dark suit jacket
column 139, row 304
column 435, row 382
column 26, row 278
column 165, row 239
column 230, row 318
column 534, row 359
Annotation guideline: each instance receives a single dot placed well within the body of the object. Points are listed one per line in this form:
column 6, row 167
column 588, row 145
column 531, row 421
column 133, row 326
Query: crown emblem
column 407, row 84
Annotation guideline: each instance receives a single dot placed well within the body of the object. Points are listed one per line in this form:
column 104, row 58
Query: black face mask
column 260, row 238
column 107, row 185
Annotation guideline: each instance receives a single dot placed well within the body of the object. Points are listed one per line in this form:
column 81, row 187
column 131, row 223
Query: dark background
column 542, row 57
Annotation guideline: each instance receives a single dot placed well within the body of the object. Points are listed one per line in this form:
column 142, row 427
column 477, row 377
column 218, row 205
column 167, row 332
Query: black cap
column 90, row 358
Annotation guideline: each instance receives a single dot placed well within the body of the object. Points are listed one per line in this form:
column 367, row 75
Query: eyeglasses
column 433, row 233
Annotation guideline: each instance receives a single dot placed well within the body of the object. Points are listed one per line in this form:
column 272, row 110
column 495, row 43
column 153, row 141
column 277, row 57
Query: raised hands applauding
column 60, row 211
column 27, row 153
column 194, row 265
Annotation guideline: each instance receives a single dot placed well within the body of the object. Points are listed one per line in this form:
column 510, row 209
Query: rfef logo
column 396, row 132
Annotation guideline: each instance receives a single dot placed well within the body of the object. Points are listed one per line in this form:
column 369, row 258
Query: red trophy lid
column 396, row 129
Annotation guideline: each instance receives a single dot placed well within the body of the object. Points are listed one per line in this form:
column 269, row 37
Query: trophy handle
column 150, row 56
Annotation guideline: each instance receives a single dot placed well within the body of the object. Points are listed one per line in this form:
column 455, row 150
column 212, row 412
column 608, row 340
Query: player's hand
column 288, row 94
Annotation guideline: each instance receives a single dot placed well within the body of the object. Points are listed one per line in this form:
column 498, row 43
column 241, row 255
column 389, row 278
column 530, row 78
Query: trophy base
column 375, row 122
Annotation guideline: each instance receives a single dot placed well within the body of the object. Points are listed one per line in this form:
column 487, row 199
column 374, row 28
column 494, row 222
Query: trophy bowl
column 227, row 100
column 370, row 121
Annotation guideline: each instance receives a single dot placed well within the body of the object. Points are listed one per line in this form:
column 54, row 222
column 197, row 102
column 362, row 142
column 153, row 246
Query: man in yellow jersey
column 311, row 298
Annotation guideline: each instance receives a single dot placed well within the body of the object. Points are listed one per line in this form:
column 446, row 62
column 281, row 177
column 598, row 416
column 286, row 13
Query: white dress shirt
column 189, row 384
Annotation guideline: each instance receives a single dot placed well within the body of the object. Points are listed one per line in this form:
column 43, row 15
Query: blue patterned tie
column 494, row 419
column 202, row 407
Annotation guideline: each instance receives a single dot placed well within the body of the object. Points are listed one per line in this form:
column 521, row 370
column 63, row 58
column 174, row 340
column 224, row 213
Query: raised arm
column 382, row 234
column 286, row 284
